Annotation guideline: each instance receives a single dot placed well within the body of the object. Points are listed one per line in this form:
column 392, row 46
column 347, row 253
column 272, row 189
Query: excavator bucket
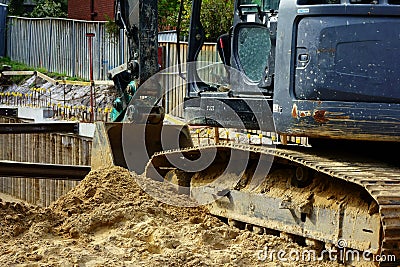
column 131, row 145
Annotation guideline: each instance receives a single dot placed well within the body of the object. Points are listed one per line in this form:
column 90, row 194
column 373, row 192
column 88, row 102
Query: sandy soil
column 107, row 220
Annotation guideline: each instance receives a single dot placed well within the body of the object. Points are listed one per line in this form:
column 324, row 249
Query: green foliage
column 112, row 29
column 216, row 16
column 49, row 8
column 16, row 8
column 17, row 65
column 43, row 8
column 23, row 67
column 64, row 5
column 168, row 14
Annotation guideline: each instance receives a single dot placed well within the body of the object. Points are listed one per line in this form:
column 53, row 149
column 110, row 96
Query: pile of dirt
column 15, row 218
column 108, row 220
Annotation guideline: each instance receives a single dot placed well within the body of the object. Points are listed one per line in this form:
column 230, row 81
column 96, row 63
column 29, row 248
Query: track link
column 380, row 180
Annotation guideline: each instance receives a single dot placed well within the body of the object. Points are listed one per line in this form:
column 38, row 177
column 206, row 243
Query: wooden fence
column 175, row 86
column 41, row 148
column 60, row 45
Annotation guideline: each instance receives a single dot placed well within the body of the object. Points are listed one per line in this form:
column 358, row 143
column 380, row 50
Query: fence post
column 74, row 48
column 90, row 40
column 50, row 45
column 122, row 47
column 29, row 43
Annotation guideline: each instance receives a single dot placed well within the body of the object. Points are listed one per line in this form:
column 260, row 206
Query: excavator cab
column 247, row 53
column 327, row 70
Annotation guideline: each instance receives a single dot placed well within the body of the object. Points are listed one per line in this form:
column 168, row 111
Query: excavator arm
column 138, row 20
column 137, row 128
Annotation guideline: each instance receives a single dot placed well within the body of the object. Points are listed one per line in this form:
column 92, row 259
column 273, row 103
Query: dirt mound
column 99, row 187
column 108, row 220
column 15, row 218
column 108, row 196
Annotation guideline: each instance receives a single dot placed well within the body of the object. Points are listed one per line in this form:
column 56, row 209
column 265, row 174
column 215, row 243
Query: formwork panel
column 64, row 149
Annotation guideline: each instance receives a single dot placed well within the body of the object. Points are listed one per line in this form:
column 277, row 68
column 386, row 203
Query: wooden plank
column 47, row 78
column 110, row 83
column 82, row 83
column 77, row 83
column 15, row 73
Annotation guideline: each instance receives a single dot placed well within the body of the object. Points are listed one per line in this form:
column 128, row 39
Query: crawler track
column 380, row 180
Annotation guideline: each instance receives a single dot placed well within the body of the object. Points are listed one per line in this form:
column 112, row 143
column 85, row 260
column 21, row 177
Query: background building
column 99, row 10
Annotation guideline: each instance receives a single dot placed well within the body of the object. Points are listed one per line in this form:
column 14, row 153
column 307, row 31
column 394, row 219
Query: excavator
column 325, row 70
